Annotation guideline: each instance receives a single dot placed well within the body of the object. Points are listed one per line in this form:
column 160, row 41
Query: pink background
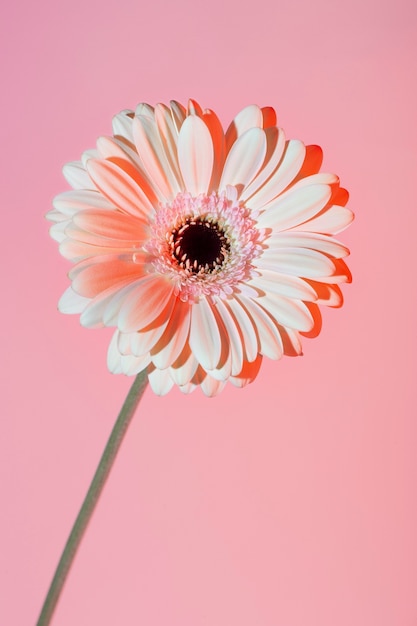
column 291, row 502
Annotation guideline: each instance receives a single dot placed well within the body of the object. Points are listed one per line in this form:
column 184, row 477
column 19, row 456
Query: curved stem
column 93, row 494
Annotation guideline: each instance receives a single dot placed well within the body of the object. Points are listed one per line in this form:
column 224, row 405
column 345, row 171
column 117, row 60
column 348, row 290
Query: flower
column 207, row 250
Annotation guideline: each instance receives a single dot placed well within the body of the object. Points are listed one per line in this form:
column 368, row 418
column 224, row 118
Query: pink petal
column 91, row 277
column 172, row 342
column 85, row 245
column 143, row 305
column 112, row 226
column 120, row 188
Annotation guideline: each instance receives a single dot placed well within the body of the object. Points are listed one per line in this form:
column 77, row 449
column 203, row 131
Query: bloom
column 207, row 250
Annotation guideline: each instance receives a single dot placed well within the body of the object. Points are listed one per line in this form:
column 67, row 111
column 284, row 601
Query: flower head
column 205, row 249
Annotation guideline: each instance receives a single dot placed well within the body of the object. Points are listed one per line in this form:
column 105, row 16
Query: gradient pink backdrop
column 291, row 502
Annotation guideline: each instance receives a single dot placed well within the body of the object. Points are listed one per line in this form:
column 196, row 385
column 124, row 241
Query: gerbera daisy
column 205, row 249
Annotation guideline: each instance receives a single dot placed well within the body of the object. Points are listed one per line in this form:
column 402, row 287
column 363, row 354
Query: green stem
column 93, row 494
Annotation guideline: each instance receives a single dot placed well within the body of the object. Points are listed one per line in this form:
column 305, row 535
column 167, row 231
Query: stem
column 93, row 494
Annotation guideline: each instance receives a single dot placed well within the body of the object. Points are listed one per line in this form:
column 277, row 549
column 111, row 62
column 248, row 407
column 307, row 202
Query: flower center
column 199, row 245
column 205, row 244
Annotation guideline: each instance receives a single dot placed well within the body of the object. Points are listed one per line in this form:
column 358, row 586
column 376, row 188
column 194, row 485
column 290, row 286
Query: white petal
column 111, row 308
column 288, row 312
column 56, row 216
column 297, row 262
column 87, row 155
column 188, row 388
column 312, row 241
column 114, row 358
column 153, row 157
column 219, row 147
column 205, row 339
column 169, row 138
column 286, row 285
column 285, row 173
column 95, row 314
column 270, row 342
column 250, row 117
column 77, row 177
column 71, row 302
column 184, row 368
column 276, row 137
column 132, row 365
column 195, row 155
column 245, row 325
column 291, row 341
column 233, row 336
column 70, row 202
column 58, row 231
column 223, row 371
column 143, row 341
column 124, row 364
column 294, row 206
column 160, row 381
column 244, row 159
column 146, row 110
column 211, row 387
column 330, row 222
column 122, row 125
column 178, row 114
